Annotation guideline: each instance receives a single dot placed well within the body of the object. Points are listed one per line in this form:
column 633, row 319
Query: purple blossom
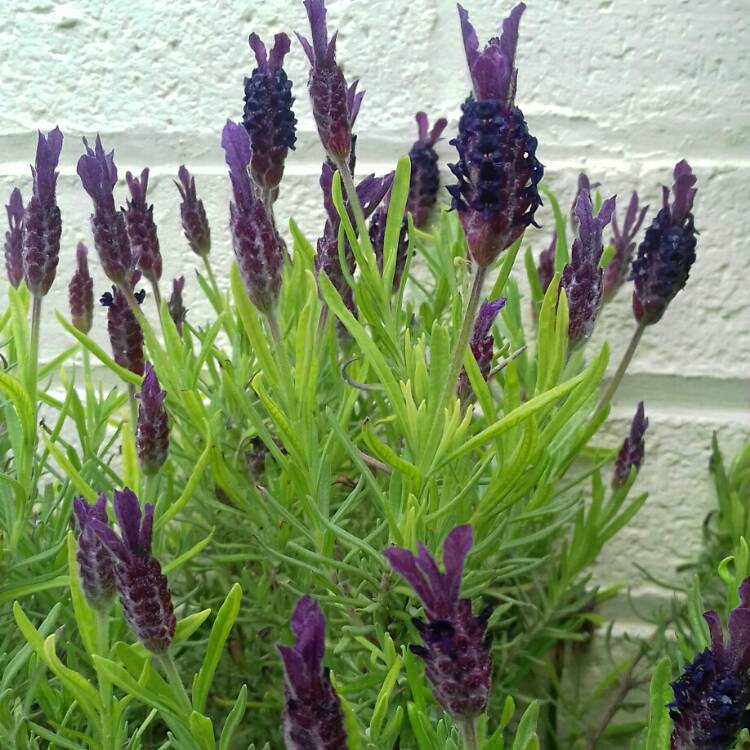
column 144, row 593
column 582, row 277
column 456, row 649
column 584, row 185
column 633, row 449
column 98, row 174
column 425, row 174
column 335, row 105
column 81, row 292
column 623, row 241
column 193, row 213
column 662, row 264
column 711, row 697
column 268, row 115
column 96, row 565
column 481, row 343
column 257, row 245
column 42, row 225
column 125, row 334
column 176, row 306
column 139, row 219
column 152, row 429
column 496, row 194
column 14, row 238
column 312, row 717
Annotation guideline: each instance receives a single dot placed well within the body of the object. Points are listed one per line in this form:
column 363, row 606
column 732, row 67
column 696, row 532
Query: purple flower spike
column 98, row 174
column 496, row 194
column 268, row 115
column 42, row 222
column 582, row 277
column 139, row 218
column 312, row 715
column 96, row 564
column 457, row 650
column 81, row 292
column 194, row 221
column 481, row 344
column 335, row 105
column 425, row 174
column 623, row 241
column 662, row 265
column 152, row 430
column 177, row 309
column 633, row 449
column 14, row 239
column 144, row 593
column 125, row 334
column 257, row 245
column 710, row 698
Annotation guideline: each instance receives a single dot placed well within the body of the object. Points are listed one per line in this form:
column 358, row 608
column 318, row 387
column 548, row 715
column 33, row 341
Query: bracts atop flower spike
column 42, row 225
column 139, row 218
column 481, row 344
column 633, row 449
column 143, row 589
column 14, row 239
column 152, row 430
column 96, row 565
column 582, row 277
column 312, row 715
column 257, row 246
column 98, row 174
column 193, row 213
column 496, row 194
column 125, row 334
column 425, row 173
column 335, row 106
column 177, row 309
column 711, row 697
column 81, row 292
column 268, row 115
column 623, row 241
column 662, row 264
column 456, row 649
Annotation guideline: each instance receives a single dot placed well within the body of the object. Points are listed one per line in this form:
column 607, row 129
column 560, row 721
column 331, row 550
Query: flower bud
column 425, row 174
column 633, row 449
column 81, row 292
column 176, row 307
column 96, row 564
column 14, row 239
column 194, row 221
column 152, row 428
column 482, row 343
column 139, row 219
column 125, row 334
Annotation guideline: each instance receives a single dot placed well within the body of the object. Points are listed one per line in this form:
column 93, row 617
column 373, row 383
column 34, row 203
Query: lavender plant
column 336, row 409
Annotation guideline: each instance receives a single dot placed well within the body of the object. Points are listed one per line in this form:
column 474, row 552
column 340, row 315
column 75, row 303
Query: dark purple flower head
column 623, row 241
column 176, row 306
column 152, row 430
column 125, row 334
column 14, row 238
column 456, row 649
column 582, row 277
column 268, row 115
column 98, row 174
column 496, row 194
column 194, row 221
column 42, row 225
column 312, row 711
column 96, row 564
column 481, row 343
column 335, row 105
column 143, row 589
column 139, row 218
column 711, row 697
column 662, row 265
column 425, row 174
column 81, row 292
column 633, row 449
column 546, row 266
column 256, row 243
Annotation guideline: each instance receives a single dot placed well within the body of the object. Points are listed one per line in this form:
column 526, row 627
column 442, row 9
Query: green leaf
column 384, row 698
column 202, row 730
column 233, row 720
column 659, row 723
column 526, row 732
column 187, row 493
column 188, row 625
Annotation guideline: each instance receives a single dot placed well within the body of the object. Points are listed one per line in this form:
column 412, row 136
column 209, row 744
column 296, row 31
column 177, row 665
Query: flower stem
column 623, row 366
column 351, row 194
column 133, row 409
column 105, row 686
column 36, row 323
column 174, row 679
column 157, row 294
column 469, row 733
column 211, row 277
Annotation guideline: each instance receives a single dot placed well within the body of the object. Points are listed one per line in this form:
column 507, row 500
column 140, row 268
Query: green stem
column 281, row 358
column 174, row 679
column 351, row 194
column 105, row 686
column 157, row 295
column 211, row 277
column 623, row 366
column 469, row 733
column 36, row 323
column 133, row 409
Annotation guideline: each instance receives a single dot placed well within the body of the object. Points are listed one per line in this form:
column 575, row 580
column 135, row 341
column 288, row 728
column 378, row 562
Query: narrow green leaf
column 659, row 723
column 233, row 720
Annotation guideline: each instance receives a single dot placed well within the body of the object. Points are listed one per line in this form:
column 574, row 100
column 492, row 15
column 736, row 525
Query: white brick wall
column 623, row 88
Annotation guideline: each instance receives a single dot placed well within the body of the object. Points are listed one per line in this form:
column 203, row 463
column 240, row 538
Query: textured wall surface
column 622, row 88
